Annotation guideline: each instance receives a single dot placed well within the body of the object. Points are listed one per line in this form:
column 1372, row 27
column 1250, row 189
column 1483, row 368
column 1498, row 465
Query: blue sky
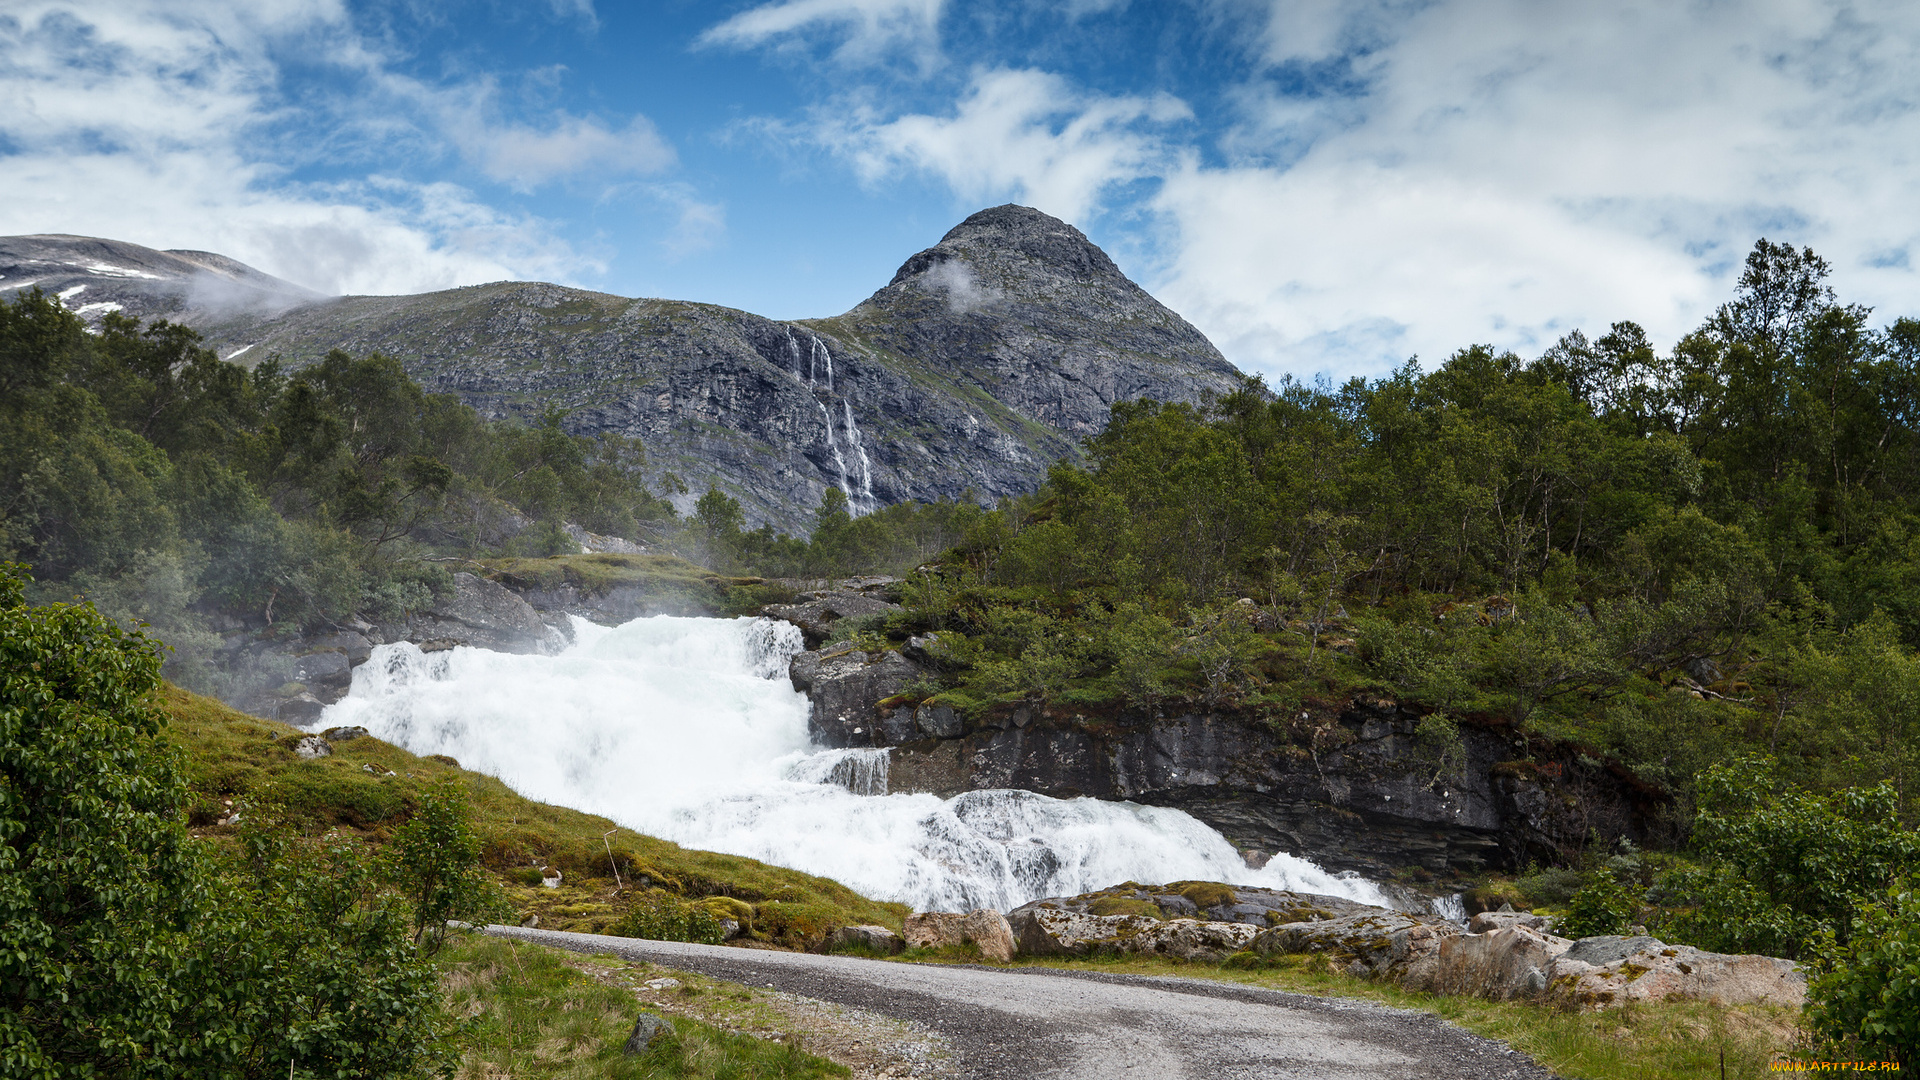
column 1324, row 188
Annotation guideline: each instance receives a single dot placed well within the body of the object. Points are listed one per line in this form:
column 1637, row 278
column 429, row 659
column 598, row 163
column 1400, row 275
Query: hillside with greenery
column 1673, row 558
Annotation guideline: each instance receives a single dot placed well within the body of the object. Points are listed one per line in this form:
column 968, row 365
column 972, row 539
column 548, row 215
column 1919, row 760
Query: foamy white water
column 688, row 729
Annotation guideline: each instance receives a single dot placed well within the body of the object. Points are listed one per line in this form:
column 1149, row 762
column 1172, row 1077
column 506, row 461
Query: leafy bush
column 1870, row 1001
column 435, row 860
column 1783, row 867
column 1605, row 905
column 661, row 916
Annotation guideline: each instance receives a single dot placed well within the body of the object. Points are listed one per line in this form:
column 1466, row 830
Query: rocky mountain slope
column 985, row 359
column 94, row 277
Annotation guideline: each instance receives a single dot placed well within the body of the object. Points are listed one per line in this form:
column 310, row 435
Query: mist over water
column 688, row 729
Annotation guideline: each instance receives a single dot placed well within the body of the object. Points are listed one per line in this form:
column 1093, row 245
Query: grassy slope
column 530, row 1012
column 233, row 756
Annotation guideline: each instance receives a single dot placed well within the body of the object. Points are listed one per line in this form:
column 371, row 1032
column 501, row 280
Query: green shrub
column 1605, row 905
column 1869, row 1002
column 659, row 916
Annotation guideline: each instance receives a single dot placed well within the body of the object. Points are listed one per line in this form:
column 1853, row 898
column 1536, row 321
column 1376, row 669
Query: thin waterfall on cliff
column 861, row 499
column 688, row 729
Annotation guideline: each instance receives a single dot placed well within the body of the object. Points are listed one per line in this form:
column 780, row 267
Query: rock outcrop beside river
column 1352, row 788
column 1498, row 955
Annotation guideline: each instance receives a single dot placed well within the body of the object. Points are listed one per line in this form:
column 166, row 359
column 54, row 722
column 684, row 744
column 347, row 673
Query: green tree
column 99, row 887
column 126, row 950
column 435, row 860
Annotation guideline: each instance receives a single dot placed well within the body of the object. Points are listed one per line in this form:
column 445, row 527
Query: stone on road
column 1045, row 1024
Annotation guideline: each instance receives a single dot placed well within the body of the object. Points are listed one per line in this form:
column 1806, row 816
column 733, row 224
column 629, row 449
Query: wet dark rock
column 846, row 688
column 482, row 614
column 1367, row 799
column 299, row 710
column 344, row 734
column 348, row 643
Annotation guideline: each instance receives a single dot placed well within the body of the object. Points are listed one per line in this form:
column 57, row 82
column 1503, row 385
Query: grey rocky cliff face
column 1365, row 796
column 986, row 359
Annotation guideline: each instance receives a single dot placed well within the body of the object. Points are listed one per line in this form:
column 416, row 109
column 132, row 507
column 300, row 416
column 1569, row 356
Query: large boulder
column 985, row 929
column 1505, row 962
column 846, row 686
column 1489, row 921
column 1044, row 931
column 482, row 614
column 877, row 938
column 815, row 613
column 1371, row 942
column 1608, row 970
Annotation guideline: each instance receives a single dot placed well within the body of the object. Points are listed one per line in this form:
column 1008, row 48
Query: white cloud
column 1394, row 177
column 170, row 124
column 1028, row 135
column 1517, row 170
column 870, row 29
column 698, row 224
column 527, row 157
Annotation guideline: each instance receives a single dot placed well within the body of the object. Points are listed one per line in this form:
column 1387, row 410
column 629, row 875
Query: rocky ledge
column 1351, row 787
column 1502, row 955
column 287, row 675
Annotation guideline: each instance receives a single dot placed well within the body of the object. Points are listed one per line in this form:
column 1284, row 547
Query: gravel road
column 1041, row 1024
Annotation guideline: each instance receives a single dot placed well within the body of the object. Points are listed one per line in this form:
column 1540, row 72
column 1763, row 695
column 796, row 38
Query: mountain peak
column 1016, row 233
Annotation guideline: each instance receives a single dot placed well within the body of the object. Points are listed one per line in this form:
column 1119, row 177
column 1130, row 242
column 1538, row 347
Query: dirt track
column 1033, row 1023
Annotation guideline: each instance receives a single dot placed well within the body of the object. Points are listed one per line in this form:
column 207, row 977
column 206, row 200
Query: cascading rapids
column 687, row 729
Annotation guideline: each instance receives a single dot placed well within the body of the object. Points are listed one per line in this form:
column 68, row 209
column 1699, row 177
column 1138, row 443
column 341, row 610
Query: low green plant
column 434, row 859
column 660, row 916
column 1605, row 905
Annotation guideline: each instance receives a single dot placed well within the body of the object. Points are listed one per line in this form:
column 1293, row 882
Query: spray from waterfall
column 687, row 729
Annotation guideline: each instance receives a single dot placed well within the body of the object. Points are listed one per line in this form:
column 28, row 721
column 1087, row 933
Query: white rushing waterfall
column 688, row 729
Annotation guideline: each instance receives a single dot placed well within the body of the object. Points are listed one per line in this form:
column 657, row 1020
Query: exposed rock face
column 1609, row 970
column 985, row 359
column 845, row 684
column 1501, row 963
column 985, row 929
column 293, row 677
column 1365, row 797
column 1048, row 932
column 482, row 614
column 816, row 613
column 1372, row 942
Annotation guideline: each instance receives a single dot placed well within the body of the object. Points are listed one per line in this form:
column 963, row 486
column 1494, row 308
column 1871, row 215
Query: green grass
column 525, row 1012
column 232, row 758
